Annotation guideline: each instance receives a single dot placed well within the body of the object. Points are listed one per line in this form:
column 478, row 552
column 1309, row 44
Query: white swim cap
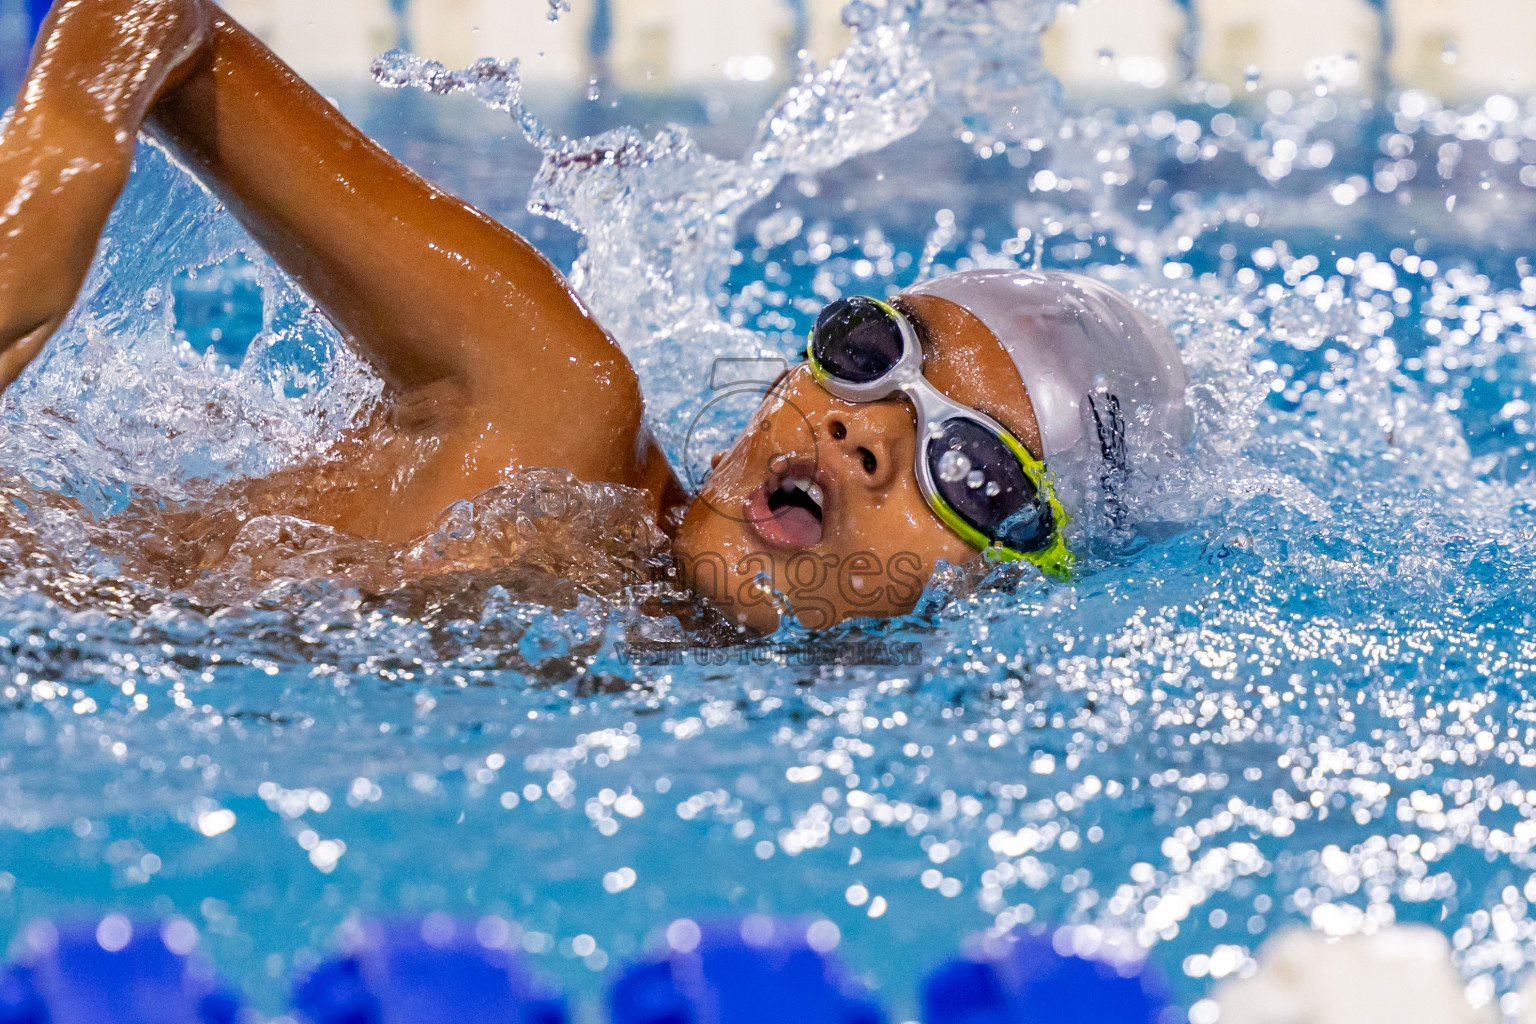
column 1070, row 336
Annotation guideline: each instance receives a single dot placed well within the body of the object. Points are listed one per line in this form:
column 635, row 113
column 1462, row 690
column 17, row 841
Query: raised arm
column 66, row 152
column 480, row 339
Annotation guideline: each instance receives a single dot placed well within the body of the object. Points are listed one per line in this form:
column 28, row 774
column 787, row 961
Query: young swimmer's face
column 819, row 496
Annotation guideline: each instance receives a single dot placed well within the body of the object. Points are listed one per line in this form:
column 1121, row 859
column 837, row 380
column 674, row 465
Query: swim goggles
column 976, row 476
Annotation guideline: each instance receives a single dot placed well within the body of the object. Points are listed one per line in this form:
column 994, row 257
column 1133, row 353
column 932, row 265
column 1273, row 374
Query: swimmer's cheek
column 823, row 589
column 907, row 578
column 718, row 565
column 737, row 595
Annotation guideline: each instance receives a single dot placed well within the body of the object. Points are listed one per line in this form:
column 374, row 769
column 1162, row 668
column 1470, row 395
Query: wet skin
column 480, row 342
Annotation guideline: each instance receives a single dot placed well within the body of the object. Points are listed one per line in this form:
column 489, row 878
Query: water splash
column 495, row 83
column 120, row 405
column 658, row 216
column 989, row 71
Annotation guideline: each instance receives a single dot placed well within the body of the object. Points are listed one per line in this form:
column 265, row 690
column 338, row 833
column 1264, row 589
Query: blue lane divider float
column 115, row 970
column 756, row 971
column 438, row 971
column 435, row 971
column 1026, row 979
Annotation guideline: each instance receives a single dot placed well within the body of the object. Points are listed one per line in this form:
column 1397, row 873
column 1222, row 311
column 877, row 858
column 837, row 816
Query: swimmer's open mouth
column 789, row 514
column 797, row 492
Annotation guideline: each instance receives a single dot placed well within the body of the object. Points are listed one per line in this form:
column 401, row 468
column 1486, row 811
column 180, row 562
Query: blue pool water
column 1298, row 693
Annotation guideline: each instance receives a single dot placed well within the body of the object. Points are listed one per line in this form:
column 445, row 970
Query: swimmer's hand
column 67, row 149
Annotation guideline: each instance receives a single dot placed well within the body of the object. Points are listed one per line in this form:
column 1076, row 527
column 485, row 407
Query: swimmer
column 969, row 417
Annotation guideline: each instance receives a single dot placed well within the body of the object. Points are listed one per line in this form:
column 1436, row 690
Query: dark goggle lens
column 856, row 341
column 981, row 479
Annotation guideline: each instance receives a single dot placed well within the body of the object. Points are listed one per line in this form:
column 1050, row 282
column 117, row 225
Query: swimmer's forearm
column 100, row 64
column 66, row 152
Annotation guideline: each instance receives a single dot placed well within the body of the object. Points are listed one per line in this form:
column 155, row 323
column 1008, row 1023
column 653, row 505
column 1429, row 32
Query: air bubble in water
column 974, row 479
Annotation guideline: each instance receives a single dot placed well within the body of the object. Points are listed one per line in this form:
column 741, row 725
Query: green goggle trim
column 1055, row 560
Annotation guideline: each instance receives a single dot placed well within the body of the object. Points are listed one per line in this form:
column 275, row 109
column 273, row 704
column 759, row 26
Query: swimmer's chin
column 753, row 620
column 719, row 562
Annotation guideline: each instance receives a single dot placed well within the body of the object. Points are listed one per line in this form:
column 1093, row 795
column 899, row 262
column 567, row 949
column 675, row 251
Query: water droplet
column 858, row 14
column 953, row 466
column 975, row 478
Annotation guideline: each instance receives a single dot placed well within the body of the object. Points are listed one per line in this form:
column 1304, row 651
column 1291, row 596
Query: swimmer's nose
column 863, row 447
